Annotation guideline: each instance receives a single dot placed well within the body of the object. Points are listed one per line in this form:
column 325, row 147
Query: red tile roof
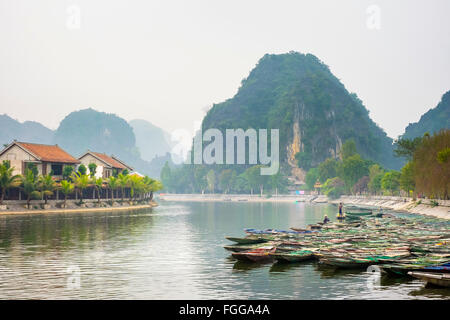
column 48, row 153
column 109, row 160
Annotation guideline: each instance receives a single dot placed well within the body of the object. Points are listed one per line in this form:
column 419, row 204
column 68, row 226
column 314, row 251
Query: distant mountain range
column 89, row 129
column 151, row 140
column 293, row 92
column 432, row 121
column 29, row 131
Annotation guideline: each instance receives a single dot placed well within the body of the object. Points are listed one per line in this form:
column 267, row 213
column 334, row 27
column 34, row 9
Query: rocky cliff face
column 315, row 114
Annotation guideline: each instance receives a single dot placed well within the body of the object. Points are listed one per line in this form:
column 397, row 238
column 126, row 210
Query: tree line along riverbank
column 79, row 190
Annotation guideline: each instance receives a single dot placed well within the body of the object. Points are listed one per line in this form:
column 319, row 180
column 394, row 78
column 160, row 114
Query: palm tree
column 135, row 184
column 153, row 185
column 81, row 182
column 30, row 186
column 98, row 184
column 66, row 188
column 7, row 180
column 46, row 185
column 113, row 185
column 122, row 180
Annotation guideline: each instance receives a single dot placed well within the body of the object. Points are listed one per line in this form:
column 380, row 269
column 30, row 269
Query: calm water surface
column 173, row 252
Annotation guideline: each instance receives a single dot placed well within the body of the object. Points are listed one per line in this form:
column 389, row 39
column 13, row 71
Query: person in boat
column 325, row 219
column 340, row 215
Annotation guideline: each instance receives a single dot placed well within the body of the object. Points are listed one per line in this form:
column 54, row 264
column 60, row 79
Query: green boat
column 347, row 263
column 358, row 213
column 293, row 256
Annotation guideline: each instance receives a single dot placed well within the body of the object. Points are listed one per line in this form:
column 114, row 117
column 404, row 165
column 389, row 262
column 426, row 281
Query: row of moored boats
column 413, row 247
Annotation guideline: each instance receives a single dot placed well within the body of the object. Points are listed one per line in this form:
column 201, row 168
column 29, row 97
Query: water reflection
column 174, row 251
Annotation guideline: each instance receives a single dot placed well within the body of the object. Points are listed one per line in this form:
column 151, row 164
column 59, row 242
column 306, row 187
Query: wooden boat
column 398, row 269
column 247, row 240
column 347, row 263
column 358, row 213
column 244, row 247
column 299, row 229
column 438, row 279
column 257, row 255
column 293, row 256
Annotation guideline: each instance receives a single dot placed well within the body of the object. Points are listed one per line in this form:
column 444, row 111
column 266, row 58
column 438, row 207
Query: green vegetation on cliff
column 292, row 89
column 432, row 121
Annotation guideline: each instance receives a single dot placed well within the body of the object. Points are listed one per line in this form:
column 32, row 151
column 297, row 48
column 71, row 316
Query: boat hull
column 437, row 279
column 290, row 258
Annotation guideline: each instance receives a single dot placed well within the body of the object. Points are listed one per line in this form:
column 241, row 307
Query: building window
column 57, row 169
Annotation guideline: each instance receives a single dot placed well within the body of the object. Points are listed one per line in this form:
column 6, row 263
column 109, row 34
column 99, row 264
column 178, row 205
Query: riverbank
column 241, row 198
column 14, row 207
column 436, row 208
column 400, row 204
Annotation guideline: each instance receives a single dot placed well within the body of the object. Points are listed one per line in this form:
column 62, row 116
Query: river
column 174, row 251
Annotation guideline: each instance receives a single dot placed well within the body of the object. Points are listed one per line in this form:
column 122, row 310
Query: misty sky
column 167, row 61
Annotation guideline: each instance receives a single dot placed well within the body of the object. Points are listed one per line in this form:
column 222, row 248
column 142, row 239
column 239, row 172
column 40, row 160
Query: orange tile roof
column 109, row 160
column 48, row 153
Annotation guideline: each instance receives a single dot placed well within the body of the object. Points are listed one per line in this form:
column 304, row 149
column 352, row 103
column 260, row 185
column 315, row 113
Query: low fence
column 444, row 203
column 90, row 193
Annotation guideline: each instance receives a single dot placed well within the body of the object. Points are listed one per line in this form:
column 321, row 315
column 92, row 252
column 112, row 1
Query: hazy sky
column 167, row 61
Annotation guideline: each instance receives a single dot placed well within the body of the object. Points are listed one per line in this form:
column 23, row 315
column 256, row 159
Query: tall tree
column 376, row 173
column 46, row 186
column 113, row 184
column 82, row 169
column 407, row 182
column 66, row 188
column 7, row 179
column 81, row 182
column 405, row 148
column 98, row 185
column 166, row 174
column 348, row 149
column 431, row 170
column 225, row 180
column 122, row 180
column 311, row 178
column 352, row 169
column 67, row 172
column 391, row 182
column 92, row 169
column 255, row 179
column 211, row 179
column 30, row 186
column 327, row 169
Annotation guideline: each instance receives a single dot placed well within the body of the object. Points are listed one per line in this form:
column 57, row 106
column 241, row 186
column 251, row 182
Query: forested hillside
column 432, row 121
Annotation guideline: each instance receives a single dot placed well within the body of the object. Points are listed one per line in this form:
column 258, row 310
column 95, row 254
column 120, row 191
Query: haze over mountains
column 293, row 92
column 97, row 131
column 151, row 140
column 30, row 131
column 298, row 94
column 432, row 121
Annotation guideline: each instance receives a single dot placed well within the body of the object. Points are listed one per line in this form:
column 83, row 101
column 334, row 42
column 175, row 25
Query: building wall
column 87, row 159
column 49, row 168
column 16, row 156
